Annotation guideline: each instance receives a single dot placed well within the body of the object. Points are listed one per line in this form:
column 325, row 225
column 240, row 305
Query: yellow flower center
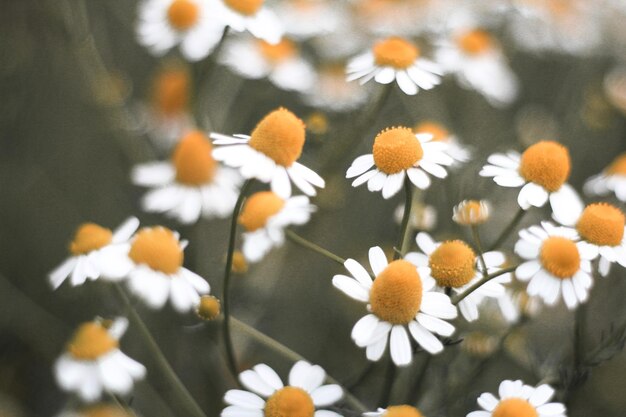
column 475, row 42
column 601, row 224
column 546, row 163
column 245, row 7
column 278, row 52
column 559, row 256
column 452, row 264
column 157, row 247
column 515, row 407
column 439, row 132
column 89, row 237
column 402, row 411
column 240, row 266
column 280, row 136
column 91, row 341
column 209, row 307
column 471, row 212
column 396, row 149
column 289, row 402
column 183, row 14
column 395, row 52
column 396, row 295
column 170, row 94
column 259, row 207
column 104, row 410
column 193, row 160
column 618, row 166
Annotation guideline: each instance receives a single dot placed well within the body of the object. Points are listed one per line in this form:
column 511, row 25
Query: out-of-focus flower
column 280, row 62
column 264, row 217
column 331, row 90
column 208, row 308
column 471, row 212
column 440, row 133
column 397, row 153
column 393, row 17
column 304, row 19
column 240, row 265
column 96, row 252
column 99, row 410
column 518, row 399
column 270, row 153
column 396, row 59
column 555, row 264
column 93, row 362
column 268, row 396
column 158, row 272
column 395, row 411
column 479, row 344
column 612, row 179
column 191, row 184
column 423, row 216
column 615, row 88
column 252, row 16
column 401, row 296
column 317, row 123
column 542, row 171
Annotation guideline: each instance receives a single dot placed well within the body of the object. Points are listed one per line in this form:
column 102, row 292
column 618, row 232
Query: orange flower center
column 559, row 256
column 402, row 411
column 546, row 163
column 471, row 212
column 104, row 410
column 396, row 295
column 396, row 149
column 259, row 207
column 395, row 52
column 289, row 402
column 245, row 7
column 601, row 224
column 183, row 14
column 618, row 166
column 439, row 132
column 209, row 307
column 193, row 160
column 475, row 42
column 452, row 264
column 90, row 237
column 171, row 91
column 157, row 247
column 515, row 407
column 91, row 341
column 278, row 52
column 280, row 136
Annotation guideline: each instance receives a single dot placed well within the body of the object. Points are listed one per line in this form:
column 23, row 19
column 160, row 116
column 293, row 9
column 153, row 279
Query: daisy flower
column 269, row 397
column 96, row 252
column 93, row 363
column 331, row 90
column 398, row 152
column 190, row 23
column 555, row 264
column 453, row 264
column 400, row 296
column 615, row 88
column 612, row 179
column 471, row 212
column 158, row 272
column 270, row 153
column 423, row 216
column 520, row 400
column 251, row 16
column 305, row 19
column 264, row 216
column 396, row 59
column 440, row 133
column 395, row 411
column 542, row 171
column 191, row 184
column 281, row 62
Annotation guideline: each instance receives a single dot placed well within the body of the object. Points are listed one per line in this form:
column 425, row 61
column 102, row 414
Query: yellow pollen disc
column 618, row 166
column 240, row 266
column 396, row 295
column 170, row 93
column 183, row 14
column 104, row 410
column 279, row 135
column 258, row 208
column 396, row 149
column 559, row 256
column 245, row 7
column 193, row 160
column 471, row 212
column 452, row 264
column 209, row 307
column 289, row 402
column 89, row 237
column 402, row 411
column 395, row 52
column 158, row 248
column 439, row 132
column 515, row 407
column 601, row 224
column 91, row 341
column 279, row 52
column 475, row 42
column 546, row 163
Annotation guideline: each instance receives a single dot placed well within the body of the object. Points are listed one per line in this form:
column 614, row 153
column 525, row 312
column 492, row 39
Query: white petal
column 419, row 178
column 364, row 329
column 527, row 270
column 551, row 409
column 424, row 338
column 60, row 273
column 377, row 182
column 541, row 395
column 326, row 395
column 125, row 230
column 378, row 260
column 360, row 165
column 306, row 376
column 435, row 325
column 252, row 381
column 405, row 83
column 244, row 399
column 351, row 287
column 438, row 305
column 400, row 346
column 235, row 411
column 567, row 206
column 393, row 184
column 269, row 375
column 385, row 75
column 358, row 272
column 487, row 401
column 375, row 351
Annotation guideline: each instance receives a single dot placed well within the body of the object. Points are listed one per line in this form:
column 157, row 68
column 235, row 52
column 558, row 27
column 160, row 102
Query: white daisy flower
column 423, row 216
column 471, row 212
column 251, row 16
column 270, row 153
column 158, row 272
column 96, row 252
column 396, row 59
column 541, row 171
column 453, row 264
column 191, row 184
column 440, row 133
column 612, row 179
column 555, row 264
column 264, row 216
column 395, row 411
column 518, row 399
column 331, row 90
column 93, row 362
column 281, row 62
column 190, row 23
column 305, row 19
column 398, row 152
column 269, row 397
column 400, row 296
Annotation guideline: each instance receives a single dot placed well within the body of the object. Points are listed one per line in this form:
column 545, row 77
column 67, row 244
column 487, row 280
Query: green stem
column 413, row 394
column 294, row 237
column 403, row 237
column 509, row 228
column 579, row 335
column 479, row 247
column 480, row 283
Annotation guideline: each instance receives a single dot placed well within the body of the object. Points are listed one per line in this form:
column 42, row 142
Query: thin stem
column 413, row 394
column 186, row 403
column 483, row 281
column 479, row 246
column 579, row 335
column 390, row 376
column 230, row 352
column 403, row 237
column 294, row 237
column 508, row 229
